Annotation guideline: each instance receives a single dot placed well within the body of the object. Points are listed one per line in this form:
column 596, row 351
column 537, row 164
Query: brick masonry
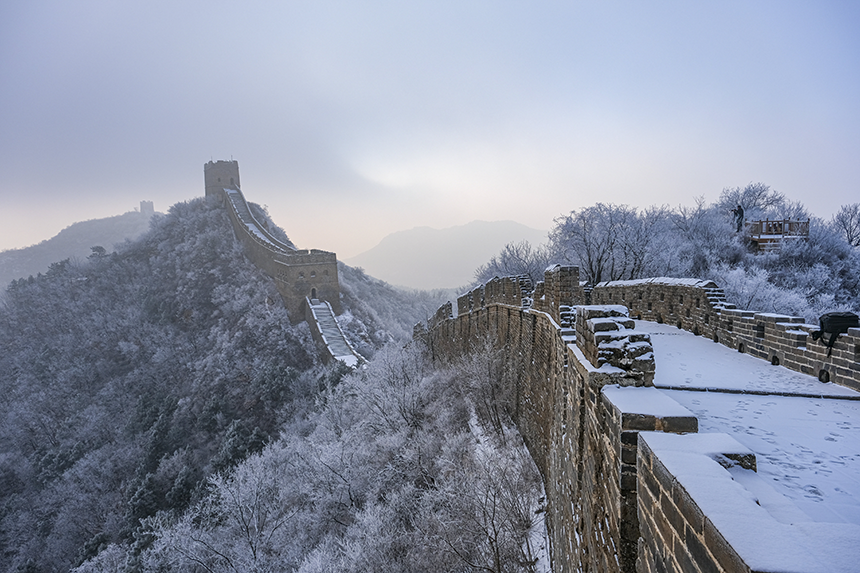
column 582, row 442
column 700, row 307
column 593, row 423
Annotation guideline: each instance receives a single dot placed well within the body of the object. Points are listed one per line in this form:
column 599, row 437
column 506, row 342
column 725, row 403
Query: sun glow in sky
column 352, row 120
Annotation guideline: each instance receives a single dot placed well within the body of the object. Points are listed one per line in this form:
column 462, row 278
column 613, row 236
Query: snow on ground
column 688, row 361
column 807, row 448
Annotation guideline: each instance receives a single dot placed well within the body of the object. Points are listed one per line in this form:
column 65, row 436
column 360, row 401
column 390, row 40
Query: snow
column 808, row 448
column 688, row 361
column 726, row 497
column 622, row 310
column 669, row 281
column 645, row 401
column 801, row 510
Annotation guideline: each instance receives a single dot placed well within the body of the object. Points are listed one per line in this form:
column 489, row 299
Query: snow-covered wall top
column 668, row 281
column 700, row 307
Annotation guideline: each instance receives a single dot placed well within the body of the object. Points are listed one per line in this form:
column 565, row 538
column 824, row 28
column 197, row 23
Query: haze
column 357, row 119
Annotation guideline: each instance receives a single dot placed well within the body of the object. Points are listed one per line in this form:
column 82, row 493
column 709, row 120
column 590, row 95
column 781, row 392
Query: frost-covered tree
column 607, row 241
column 396, row 469
column 756, row 199
column 846, row 222
column 516, row 259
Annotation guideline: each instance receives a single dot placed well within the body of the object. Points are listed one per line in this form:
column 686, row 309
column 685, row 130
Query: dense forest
column 803, row 277
column 131, row 379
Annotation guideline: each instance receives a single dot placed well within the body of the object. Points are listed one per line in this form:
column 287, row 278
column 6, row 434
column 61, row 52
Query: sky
column 353, row 120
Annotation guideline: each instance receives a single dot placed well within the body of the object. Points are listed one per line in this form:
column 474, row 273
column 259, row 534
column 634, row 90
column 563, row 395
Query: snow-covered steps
column 325, row 326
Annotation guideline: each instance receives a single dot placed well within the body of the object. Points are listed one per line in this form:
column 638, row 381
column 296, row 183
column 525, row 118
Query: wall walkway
column 327, row 332
column 617, row 498
column 700, row 307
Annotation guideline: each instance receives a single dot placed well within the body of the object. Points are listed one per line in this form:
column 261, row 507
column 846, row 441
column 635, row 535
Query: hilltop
column 73, row 242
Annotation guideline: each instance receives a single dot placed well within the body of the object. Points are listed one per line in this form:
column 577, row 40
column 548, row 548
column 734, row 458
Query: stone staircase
column 331, row 333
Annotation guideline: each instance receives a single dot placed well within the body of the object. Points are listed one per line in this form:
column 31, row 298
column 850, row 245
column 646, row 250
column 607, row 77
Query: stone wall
column 700, row 307
column 580, row 431
column 298, row 274
column 630, row 484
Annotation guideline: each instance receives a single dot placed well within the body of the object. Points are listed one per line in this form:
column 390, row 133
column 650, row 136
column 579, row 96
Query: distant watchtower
column 220, row 175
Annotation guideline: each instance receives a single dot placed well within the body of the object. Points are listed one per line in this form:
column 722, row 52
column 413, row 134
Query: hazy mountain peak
column 427, row 258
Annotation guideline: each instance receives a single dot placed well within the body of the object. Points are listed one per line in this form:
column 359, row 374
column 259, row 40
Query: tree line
column 619, row 242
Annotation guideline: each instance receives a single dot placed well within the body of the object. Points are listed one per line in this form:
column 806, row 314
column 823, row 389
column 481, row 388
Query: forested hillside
column 73, row 242
column 399, row 467
column 128, row 379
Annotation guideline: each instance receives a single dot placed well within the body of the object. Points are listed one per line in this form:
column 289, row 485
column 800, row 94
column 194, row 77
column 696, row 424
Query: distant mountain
column 75, row 241
column 426, row 258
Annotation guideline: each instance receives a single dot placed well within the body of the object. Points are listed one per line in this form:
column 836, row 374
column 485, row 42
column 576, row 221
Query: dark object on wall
column 834, row 324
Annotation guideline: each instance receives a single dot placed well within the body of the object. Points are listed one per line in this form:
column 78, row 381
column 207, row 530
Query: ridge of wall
column 298, row 274
column 700, row 307
column 580, row 439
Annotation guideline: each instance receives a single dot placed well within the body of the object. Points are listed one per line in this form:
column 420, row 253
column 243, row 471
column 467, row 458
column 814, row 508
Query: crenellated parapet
column 700, row 307
column 577, row 435
column 630, row 484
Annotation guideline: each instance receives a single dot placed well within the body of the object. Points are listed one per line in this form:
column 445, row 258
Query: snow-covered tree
column 846, row 222
column 516, row 259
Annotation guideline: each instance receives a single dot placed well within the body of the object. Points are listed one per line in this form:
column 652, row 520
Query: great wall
column 623, row 464
column 307, row 280
column 631, row 485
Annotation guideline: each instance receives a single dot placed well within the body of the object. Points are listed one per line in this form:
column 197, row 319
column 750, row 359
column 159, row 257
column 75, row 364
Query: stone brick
column 726, row 556
column 639, row 422
column 628, row 455
column 649, row 481
column 672, row 515
column 680, row 424
column 688, row 508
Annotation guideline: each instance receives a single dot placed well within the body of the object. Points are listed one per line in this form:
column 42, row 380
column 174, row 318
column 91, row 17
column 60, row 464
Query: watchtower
column 220, row 175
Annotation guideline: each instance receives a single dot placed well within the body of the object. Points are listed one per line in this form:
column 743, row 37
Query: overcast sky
column 351, row 120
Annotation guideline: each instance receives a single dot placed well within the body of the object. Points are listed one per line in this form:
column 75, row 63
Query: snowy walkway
column 244, row 213
column 807, row 448
column 333, row 336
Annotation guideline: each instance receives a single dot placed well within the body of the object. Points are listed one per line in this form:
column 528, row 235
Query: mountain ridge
column 74, row 241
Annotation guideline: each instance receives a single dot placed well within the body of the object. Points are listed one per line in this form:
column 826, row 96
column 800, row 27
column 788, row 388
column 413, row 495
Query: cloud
column 393, row 114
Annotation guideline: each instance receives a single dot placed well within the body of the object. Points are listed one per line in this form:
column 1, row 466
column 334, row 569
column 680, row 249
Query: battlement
column 700, row 307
